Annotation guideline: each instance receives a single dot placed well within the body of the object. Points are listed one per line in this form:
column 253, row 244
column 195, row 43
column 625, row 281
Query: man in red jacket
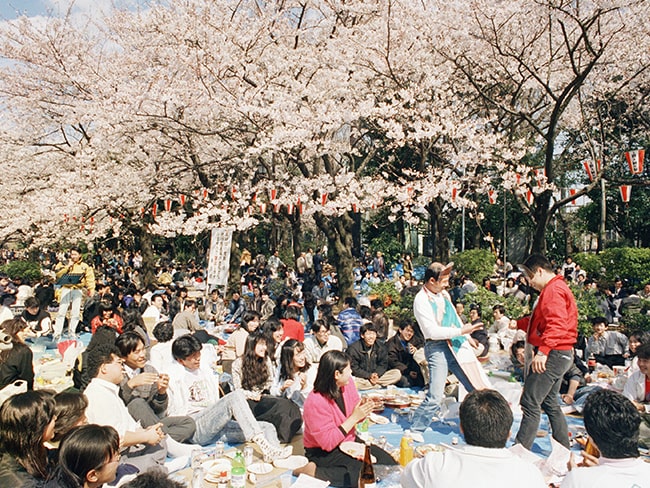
column 552, row 331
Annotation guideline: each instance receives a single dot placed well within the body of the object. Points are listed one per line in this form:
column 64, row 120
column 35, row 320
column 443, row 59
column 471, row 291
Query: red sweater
column 554, row 322
column 293, row 330
column 323, row 417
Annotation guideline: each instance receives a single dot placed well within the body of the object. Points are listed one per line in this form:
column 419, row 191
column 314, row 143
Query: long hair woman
column 26, row 424
column 88, row 458
column 253, row 373
column 294, row 379
column 16, row 361
column 332, row 410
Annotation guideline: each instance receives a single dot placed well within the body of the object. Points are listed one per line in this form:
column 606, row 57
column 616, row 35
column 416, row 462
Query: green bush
column 627, row 262
column 590, row 263
column 634, row 322
column 588, row 308
column 475, row 263
column 27, row 270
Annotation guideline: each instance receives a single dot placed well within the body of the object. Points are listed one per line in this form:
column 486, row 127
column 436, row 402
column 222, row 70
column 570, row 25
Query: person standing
column 447, row 344
column 76, row 278
column 552, row 331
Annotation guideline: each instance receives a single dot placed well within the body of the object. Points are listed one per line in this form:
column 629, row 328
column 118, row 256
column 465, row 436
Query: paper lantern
column 626, row 191
column 635, row 161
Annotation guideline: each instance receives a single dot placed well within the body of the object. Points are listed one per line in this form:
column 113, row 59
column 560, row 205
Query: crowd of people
column 148, row 377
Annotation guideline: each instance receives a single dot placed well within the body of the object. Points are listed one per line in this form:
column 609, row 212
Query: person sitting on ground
column 294, row 379
column 107, row 317
column 293, row 329
column 485, row 422
column 214, row 309
column 80, row 375
column 144, row 390
column 105, row 407
column 612, row 423
column 500, row 328
column 236, row 309
column 273, row 331
column 480, row 335
column 16, row 359
column 89, row 457
column 70, row 411
column 161, row 352
column 637, row 339
column 253, row 374
column 194, row 391
column 637, row 387
column 39, row 322
column 236, row 344
column 609, row 347
column 401, row 348
column 517, row 356
column 575, row 389
column 350, row 321
column 26, row 423
column 321, row 341
column 369, row 361
column 186, row 321
column 332, row 410
column 154, row 311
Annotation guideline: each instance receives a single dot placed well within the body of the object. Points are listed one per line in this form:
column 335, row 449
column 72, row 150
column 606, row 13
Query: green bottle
column 238, row 471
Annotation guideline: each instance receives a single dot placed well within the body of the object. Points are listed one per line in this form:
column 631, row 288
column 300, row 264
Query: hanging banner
column 219, row 256
column 626, row 191
column 635, row 161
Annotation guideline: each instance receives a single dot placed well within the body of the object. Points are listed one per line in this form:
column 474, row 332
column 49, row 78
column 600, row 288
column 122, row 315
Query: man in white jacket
column 485, row 421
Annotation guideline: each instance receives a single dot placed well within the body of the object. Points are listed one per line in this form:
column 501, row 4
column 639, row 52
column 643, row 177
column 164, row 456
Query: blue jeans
column 440, row 360
column 541, row 393
column 214, row 422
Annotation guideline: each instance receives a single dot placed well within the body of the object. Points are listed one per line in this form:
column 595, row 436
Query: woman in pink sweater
column 331, row 413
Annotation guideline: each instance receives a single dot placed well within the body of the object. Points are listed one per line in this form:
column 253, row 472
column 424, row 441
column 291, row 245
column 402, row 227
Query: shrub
column 27, row 270
column 475, row 263
column 588, row 308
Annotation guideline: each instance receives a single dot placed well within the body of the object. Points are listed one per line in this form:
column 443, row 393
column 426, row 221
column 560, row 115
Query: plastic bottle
column 406, row 449
column 238, row 471
column 197, row 477
column 367, row 474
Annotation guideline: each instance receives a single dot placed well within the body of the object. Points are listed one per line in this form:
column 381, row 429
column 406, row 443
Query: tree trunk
column 338, row 231
column 542, row 217
column 144, row 242
column 234, row 275
column 440, row 231
column 296, row 234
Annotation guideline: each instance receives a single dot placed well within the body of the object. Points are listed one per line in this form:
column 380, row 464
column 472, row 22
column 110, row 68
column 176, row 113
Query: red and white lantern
column 492, row 196
column 168, row 205
column 323, row 198
column 626, row 191
column 290, row 208
column 572, row 192
column 263, row 208
column 530, row 198
column 635, row 161
column 299, row 206
column 205, row 194
column 274, row 193
column 154, row 210
column 454, row 191
column 354, row 208
column 181, row 198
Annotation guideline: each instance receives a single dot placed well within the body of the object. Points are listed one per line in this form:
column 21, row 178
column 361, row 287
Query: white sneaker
column 271, row 453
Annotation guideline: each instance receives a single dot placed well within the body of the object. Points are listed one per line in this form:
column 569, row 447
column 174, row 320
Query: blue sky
column 8, row 8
